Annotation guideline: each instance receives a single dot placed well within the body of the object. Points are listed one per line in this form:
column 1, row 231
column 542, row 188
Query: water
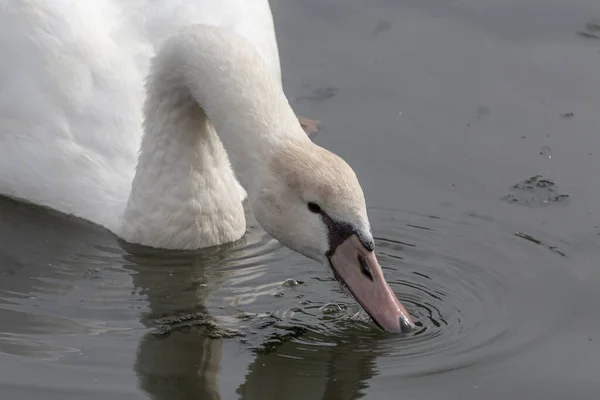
column 441, row 107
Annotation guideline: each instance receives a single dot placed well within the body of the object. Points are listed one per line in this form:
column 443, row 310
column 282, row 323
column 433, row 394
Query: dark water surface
column 441, row 107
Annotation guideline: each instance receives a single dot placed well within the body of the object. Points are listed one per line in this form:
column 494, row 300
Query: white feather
column 194, row 87
column 71, row 100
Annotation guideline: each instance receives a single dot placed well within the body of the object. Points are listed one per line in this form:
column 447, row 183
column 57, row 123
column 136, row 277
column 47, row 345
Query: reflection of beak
column 358, row 269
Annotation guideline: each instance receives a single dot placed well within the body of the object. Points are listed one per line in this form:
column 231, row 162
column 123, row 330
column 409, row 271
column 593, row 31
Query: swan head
column 310, row 200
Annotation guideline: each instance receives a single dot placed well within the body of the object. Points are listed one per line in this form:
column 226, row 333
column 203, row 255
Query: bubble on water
column 332, row 308
column 290, row 282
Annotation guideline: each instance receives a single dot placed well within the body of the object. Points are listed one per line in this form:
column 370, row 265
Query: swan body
column 155, row 118
column 72, row 76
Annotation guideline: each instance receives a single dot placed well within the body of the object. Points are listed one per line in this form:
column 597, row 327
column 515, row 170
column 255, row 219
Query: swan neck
column 242, row 98
column 212, row 103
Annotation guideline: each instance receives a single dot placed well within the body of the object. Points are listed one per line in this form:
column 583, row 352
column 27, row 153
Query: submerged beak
column 359, row 270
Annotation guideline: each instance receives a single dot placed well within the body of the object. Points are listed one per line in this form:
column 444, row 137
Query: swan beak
column 360, row 271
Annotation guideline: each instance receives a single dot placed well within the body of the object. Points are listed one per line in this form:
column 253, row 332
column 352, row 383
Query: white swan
column 214, row 114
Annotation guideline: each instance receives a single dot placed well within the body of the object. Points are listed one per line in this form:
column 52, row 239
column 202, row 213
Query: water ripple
column 476, row 291
column 471, row 306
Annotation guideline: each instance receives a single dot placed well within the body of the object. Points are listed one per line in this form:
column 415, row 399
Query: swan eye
column 314, row 208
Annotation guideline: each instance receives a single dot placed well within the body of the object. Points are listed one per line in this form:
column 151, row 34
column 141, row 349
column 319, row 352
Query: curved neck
column 228, row 79
column 211, row 100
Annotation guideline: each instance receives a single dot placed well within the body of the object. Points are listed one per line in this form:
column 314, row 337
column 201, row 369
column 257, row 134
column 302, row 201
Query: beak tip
column 406, row 325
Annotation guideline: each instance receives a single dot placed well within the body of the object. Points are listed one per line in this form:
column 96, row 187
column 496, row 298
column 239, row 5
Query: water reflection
column 336, row 371
column 71, row 289
column 71, row 294
column 180, row 357
column 183, row 362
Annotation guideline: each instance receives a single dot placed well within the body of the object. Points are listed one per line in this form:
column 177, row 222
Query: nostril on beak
column 364, row 268
column 405, row 325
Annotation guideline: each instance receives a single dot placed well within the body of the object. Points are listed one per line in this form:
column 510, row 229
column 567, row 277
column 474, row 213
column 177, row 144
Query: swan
column 156, row 118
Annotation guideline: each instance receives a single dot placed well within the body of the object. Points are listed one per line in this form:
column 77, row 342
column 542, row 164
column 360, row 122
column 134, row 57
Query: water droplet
column 291, row 282
column 332, row 308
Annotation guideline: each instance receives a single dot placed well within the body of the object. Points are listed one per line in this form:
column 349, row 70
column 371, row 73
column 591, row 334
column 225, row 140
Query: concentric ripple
column 476, row 289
